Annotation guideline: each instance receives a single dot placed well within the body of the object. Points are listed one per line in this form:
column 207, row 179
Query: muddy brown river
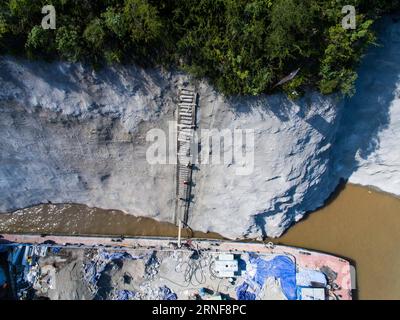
column 359, row 224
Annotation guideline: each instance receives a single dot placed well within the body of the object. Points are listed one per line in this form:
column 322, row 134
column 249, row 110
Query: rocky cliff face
column 368, row 148
column 73, row 135
column 292, row 170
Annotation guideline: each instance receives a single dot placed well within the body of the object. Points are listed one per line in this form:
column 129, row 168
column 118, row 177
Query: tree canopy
column 242, row 46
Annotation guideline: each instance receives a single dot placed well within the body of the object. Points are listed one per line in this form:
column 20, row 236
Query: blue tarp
column 91, row 273
column 125, row 295
column 115, row 255
column 93, row 269
column 167, row 294
column 55, row 250
column 3, row 278
column 280, row 267
column 243, row 294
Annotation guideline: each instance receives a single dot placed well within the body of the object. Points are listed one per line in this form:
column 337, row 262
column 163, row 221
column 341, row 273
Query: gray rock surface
column 72, row 135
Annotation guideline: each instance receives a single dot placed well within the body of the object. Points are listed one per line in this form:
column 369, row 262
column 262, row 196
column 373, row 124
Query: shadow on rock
column 367, row 113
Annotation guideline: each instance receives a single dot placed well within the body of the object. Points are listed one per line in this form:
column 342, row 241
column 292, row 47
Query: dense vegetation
column 243, row 46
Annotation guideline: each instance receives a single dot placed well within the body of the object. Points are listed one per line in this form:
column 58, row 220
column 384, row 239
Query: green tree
column 291, row 30
column 94, row 34
column 25, row 14
column 113, row 56
column 342, row 53
column 68, row 43
column 39, row 41
column 3, row 27
column 115, row 22
column 142, row 20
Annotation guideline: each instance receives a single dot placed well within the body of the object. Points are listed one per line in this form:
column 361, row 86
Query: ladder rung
column 185, row 140
column 186, row 119
column 186, row 96
column 187, row 90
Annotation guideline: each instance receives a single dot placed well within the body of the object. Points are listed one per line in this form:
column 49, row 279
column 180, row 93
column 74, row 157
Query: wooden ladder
column 186, row 125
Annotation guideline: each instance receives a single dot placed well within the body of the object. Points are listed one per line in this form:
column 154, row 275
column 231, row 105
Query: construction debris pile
column 32, row 277
column 50, row 272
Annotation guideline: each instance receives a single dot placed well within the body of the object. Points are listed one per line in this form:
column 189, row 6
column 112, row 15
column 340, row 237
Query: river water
column 359, row 224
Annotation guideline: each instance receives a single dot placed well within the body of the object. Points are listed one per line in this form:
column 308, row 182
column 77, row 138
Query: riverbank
column 358, row 223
